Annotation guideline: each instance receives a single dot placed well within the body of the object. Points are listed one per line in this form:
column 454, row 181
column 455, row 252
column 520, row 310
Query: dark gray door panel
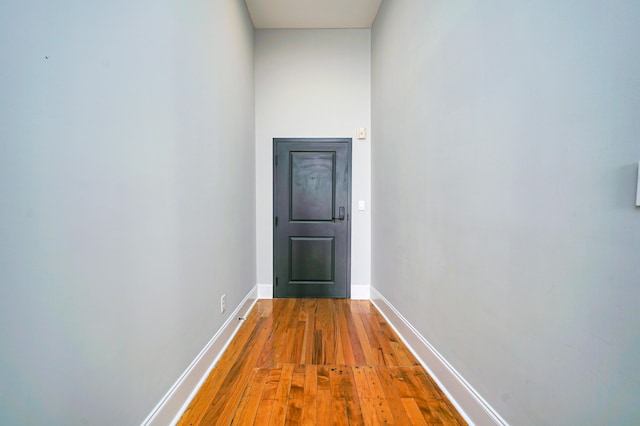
column 312, row 198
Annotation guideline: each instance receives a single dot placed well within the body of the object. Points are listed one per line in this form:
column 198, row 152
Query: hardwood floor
column 318, row 361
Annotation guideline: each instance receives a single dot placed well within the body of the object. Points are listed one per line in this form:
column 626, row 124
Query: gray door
column 312, row 227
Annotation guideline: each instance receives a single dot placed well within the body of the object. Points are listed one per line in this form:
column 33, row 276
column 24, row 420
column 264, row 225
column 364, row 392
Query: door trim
column 347, row 141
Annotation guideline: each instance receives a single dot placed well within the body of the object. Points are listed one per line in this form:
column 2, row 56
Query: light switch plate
column 361, row 205
column 362, row 133
column 638, row 187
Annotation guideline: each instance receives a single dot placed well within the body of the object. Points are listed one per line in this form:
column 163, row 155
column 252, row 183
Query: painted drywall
column 313, row 83
column 127, row 199
column 504, row 225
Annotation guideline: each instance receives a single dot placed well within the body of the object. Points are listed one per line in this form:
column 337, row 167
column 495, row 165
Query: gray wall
column 127, row 199
column 506, row 137
column 313, row 83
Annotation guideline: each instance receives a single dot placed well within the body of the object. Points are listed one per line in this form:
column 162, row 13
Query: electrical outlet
column 223, row 303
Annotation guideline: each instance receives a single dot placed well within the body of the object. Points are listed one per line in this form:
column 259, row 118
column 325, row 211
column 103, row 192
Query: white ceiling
column 313, row 13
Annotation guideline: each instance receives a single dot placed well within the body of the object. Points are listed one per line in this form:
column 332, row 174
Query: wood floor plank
column 324, row 407
column 413, row 412
column 309, row 311
column 360, row 379
column 386, row 354
column 403, row 356
column 415, row 380
column 435, row 408
column 282, row 348
column 263, row 416
column 309, row 408
column 232, row 356
column 447, row 414
column 367, row 401
column 271, row 387
column 400, row 382
column 384, row 340
column 354, row 339
column 296, row 397
column 400, row 354
column 223, row 408
column 279, row 411
column 351, row 398
column 295, row 356
column 381, row 405
column 370, row 353
column 344, row 351
column 245, row 395
column 273, row 352
column 246, row 414
column 394, row 402
column 318, row 361
column 323, row 396
column 338, row 405
column 325, row 333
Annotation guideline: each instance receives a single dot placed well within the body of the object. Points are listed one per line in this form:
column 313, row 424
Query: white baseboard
column 265, row 291
column 358, row 292
column 176, row 401
column 467, row 400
